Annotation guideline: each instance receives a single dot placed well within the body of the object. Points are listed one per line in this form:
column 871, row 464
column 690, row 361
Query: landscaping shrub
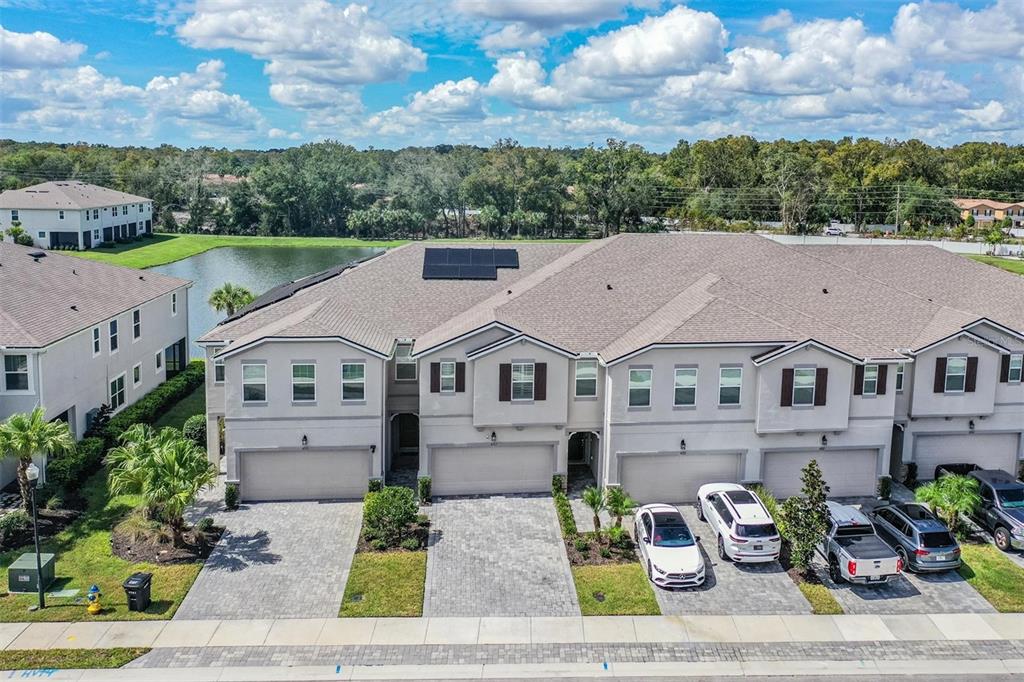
column 379, row 545
column 195, row 429
column 606, row 553
column 558, row 484
column 54, row 502
column 565, row 517
column 581, row 544
column 231, row 496
column 618, row 537
column 204, row 525
column 387, row 513
column 884, row 487
column 411, row 544
column 618, row 503
column 422, row 520
column 806, row 516
column 423, row 488
column 13, row 522
column 64, row 473
column 771, row 503
column 375, row 485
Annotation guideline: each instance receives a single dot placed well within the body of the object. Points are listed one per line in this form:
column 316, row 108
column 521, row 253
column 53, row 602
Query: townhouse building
column 72, row 213
column 77, row 334
column 987, row 211
column 655, row 362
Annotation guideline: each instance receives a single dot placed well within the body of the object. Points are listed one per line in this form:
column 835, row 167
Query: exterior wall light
column 305, row 441
column 373, row 449
column 494, row 437
column 824, row 442
column 970, row 426
column 682, row 446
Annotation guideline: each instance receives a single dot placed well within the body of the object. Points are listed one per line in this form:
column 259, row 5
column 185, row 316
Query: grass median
column 68, row 659
column 614, row 590
column 385, row 584
column 994, row 576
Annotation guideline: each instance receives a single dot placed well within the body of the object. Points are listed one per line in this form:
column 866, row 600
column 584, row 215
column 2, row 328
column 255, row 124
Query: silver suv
column 743, row 527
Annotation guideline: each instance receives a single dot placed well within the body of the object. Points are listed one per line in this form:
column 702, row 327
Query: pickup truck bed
column 865, row 547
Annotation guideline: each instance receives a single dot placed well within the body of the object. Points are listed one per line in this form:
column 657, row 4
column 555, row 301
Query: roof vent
column 74, row 307
column 824, row 291
column 609, row 286
column 37, row 255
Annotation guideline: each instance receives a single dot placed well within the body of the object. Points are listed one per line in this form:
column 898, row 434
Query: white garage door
column 303, row 474
column 492, row 469
column 987, row 450
column 674, row 478
column 848, row 473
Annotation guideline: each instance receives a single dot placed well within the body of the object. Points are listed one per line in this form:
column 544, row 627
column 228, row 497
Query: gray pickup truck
column 853, row 551
column 1002, row 503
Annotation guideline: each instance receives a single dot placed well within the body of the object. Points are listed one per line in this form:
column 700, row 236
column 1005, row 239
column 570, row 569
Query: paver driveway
column 730, row 588
column 497, row 556
column 277, row 560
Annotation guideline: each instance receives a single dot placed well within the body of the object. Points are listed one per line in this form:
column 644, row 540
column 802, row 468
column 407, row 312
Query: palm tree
column 593, row 497
column 27, row 435
column 229, row 297
column 618, row 503
column 949, row 497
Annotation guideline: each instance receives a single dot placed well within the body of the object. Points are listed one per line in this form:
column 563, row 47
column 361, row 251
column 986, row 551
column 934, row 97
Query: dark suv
column 922, row 541
column 1002, row 502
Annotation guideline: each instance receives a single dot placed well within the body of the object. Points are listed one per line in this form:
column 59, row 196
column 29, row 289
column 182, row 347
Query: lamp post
column 32, row 474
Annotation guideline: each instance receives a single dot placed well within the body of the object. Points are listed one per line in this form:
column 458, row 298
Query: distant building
column 73, row 213
column 988, row 211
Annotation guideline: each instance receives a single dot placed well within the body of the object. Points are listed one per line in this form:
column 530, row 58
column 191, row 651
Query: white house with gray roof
column 74, row 213
column 658, row 362
column 77, row 334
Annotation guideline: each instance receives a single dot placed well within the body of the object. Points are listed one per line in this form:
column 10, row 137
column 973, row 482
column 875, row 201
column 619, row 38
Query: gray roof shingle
column 66, row 194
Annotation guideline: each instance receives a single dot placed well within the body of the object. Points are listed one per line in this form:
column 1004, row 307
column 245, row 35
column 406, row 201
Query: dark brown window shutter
column 435, row 377
column 1004, row 369
column 505, row 382
column 971, row 381
column 939, row 385
column 787, row 387
column 540, row 381
column 883, row 373
column 858, row 380
column 820, row 385
column 460, row 377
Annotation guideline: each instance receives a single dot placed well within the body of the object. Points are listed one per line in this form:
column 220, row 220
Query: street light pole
column 32, row 473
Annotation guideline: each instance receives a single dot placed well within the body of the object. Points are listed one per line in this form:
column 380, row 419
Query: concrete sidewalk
column 549, row 630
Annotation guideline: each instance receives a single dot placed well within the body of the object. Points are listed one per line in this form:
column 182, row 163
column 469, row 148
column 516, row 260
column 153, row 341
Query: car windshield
column 672, row 536
column 759, row 530
column 1011, row 498
column 937, row 539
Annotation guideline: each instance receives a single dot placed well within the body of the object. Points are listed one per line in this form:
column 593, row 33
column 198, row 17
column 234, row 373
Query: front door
column 87, row 239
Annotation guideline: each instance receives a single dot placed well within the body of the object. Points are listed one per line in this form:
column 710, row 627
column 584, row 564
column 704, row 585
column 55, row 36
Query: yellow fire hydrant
column 94, row 600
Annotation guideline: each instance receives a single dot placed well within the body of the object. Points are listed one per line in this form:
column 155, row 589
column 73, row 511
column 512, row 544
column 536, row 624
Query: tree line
column 509, row 190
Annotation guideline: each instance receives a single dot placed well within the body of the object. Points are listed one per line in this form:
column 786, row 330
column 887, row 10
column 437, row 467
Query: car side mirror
column 647, row 540
column 696, row 538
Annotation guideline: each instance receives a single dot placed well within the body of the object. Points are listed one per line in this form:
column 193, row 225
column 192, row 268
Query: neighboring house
column 988, row 211
column 661, row 361
column 76, row 334
column 73, row 213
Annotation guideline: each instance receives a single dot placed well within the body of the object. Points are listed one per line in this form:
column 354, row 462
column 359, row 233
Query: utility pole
column 897, row 208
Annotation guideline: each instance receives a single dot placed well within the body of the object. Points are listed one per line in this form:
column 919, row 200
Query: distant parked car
column 669, row 550
column 853, row 551
column 1002, row 503
column 744, row 529
column 833, row 231
column 922, row 542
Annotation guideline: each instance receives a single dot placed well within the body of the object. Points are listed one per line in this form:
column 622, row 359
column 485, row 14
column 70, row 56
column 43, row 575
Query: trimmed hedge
column 151, row 406
column 195, row 430
column 565, row 518
column 75, row 466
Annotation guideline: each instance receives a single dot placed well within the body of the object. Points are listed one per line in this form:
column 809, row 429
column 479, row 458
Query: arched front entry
column 583, row 458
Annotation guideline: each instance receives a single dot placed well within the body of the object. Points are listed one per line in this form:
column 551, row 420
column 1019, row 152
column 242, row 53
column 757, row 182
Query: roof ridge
column 14, row 323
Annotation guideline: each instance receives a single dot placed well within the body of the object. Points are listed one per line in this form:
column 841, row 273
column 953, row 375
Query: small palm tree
column 593, row 497
column 229, row 297
column 27, row 435
column 618, row 503
column 949, row 497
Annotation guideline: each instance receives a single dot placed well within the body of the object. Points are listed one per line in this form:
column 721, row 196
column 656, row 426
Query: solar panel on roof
column 478, row 272
column 506, row 258
column 435, row 256
column 467, row 263
column 482, row 256
column 460, row 256
column 440, row 271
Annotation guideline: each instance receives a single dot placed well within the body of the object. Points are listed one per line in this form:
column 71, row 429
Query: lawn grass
column 192, row 404
column 820, row 598
column 625, row 588
column 84, row 558
column 390, row 584
column 1015, row 265
column 68, row 659
column 994, row 576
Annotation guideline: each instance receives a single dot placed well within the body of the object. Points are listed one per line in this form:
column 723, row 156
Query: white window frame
column 15, row 215
column 218, row 365
column 159, row 360
column 954, row 375
column 97, row 343
column 87, row 216
column 29, row 388
column 361, row 382
column 520, row 368
column 303, row 381
column 137, row 372
column 447, row 376
column 1016, row 368
column 136, row 324
column 872, row 379
column 42, row 234
column 60, row 215
column 113, row 336
column 403, row 358
column 95, row 235
column 901, row 371
column 738, row 386
column 798, row 386
column 95, row 214
column 255, row 381
column 639, row 385
column 113, row 211
column 681, row 372
column 585, row 364
column 174, row 303
column 111, row 393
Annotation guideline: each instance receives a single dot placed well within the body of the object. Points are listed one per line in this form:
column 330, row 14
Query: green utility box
column 21, row 575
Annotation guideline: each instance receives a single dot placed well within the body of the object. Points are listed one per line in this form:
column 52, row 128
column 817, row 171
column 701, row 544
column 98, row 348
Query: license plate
column 875, row 579
column 758, row 547
column 940, row 557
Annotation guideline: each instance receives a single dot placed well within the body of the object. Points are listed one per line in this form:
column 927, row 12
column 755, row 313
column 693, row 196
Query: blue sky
column 394, row 73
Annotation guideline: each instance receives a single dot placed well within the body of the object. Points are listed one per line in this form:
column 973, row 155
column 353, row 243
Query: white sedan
column 668, row 549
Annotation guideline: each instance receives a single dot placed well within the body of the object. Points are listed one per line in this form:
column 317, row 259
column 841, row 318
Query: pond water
column 258, row 268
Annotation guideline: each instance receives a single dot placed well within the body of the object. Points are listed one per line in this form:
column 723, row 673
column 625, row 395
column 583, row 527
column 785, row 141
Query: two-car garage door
column 674, row 477
column 487, row 469
column 987, row 450
column 267, row 475
column 848, row 473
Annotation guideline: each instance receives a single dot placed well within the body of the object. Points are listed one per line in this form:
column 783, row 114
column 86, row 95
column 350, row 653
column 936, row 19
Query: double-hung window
column 956, row 374
column 159, row 356
column 114, row 211
column 405, row 366
column 1016, row 368
column 136, row 375
column 174, row 303
column 117, row 392
column 136, row 324
column 522, row 381
column 803, row 385
column 730, row 381
column 14, row 215
column 586, row 378
column 870, row 384
column 113, row 336
column 16, row 372
column 686, row 386
column 303, row 382
column 95, row 341
column 900, row 370
column 60, row 215
column 218, row 371
column 254, row 383
column 95, row 214
column 353, row 381
column 447, row 377
column 640, row 387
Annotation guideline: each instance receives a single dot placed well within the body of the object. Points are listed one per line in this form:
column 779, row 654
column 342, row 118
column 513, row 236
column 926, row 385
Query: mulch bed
column 196, row 547
column 591, row 556
column 51, row 522
column 420, row 531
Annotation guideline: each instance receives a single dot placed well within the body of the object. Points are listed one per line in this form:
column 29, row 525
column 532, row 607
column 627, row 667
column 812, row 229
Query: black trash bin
column 136, row 588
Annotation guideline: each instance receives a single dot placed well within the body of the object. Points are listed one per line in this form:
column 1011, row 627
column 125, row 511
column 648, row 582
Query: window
column 174, row 303
column 113, row 336
column 136, row 375
column 16, row 372
column 522, row 381
column 87, row 216
column 95, row 234
column 14, row 215
column 124, row 209
column 136, row 324
column 114, row 211
column 899, row 377
column 117, row 392
column 254, row 383
column 159, row 361
column 218, row 371
column 1016, row 368
column 870, row 385
column 95, row 214
column 686, row 386
column 303, row 383
column 405, row 366
column 956, row 374
column 42, row 235
column 447, row 377
column 95, row 341
column 639, row 387
column 353, row 381
column 803, row 385
column 60, row 215
column 586, row 378
column 730, row 380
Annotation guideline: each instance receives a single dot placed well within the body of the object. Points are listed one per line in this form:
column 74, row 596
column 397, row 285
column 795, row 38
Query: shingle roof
column 42, row 300
column 621, row 294
column 66, row 194
column 988, row 203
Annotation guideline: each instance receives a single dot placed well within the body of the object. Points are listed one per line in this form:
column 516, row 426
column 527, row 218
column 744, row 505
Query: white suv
column 743, row 527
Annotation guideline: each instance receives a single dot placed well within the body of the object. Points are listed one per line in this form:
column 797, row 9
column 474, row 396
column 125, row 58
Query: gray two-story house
column 656, row 362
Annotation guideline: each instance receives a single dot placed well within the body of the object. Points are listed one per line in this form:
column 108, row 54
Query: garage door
column 674, row 478
column 303, row 474
column 987, row 450
column 848, row 473
column 492, row 469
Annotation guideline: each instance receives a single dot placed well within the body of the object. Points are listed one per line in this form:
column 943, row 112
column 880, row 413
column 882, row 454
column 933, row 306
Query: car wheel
column 721, row 550
column 1002, row 538
column 902, row 554
column 700, row 511
column 833, row 571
